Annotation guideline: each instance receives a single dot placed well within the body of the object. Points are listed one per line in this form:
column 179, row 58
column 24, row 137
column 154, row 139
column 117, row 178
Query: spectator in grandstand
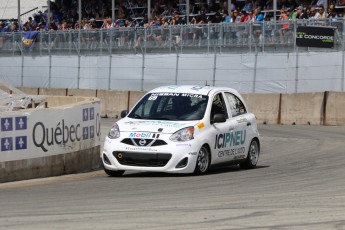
column 108, row 23
column 120, row 23
column 141, row 34
column 301, row 14
column 284, row 16
column 243, row 34
column 333, row 16
column 176, row 19
column 155, row 35
column 331, row 6
column 292, row 13
column 258, row 18
column 321, row 13
column 311, row 13
column 65, row 26
column 225, row 17
column 235, row 17
column 217, row 18
column 2, row 27
column 2, row 37
column 165, row 22
column 198, row 29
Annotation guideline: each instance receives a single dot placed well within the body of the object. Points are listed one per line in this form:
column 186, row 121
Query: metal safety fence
column 250, row 37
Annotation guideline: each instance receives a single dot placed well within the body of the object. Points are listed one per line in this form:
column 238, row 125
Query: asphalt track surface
column 299, row 184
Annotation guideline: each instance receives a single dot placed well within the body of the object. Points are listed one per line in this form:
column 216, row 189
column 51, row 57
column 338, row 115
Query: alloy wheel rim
column 202, row 160
column 254, row 153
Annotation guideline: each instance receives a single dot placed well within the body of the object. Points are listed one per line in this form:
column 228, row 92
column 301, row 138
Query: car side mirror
column 219, row 118
column 124, row 113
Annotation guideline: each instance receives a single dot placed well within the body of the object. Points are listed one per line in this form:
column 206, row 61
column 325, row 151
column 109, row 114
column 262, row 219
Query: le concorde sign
column 315, row 36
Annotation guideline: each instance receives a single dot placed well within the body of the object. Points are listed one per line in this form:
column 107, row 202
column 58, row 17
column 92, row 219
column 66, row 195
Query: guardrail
column 223, row 37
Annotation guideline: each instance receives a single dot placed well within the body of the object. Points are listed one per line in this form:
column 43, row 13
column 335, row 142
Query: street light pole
column 18, row 14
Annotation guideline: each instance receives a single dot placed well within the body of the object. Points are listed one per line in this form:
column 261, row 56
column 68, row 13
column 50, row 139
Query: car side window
column 218, row 106
column 236, row 105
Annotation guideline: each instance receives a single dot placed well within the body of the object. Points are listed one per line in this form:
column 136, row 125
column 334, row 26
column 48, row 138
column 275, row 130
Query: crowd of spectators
column 131, row 13
column 97, row 14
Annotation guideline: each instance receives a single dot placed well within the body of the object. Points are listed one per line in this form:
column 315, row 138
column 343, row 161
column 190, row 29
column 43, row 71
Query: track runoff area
column 298, row 184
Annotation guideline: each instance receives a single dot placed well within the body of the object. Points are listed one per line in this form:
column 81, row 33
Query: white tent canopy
column 9, row 8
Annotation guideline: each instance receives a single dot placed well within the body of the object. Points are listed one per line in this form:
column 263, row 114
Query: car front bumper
column 174, row 157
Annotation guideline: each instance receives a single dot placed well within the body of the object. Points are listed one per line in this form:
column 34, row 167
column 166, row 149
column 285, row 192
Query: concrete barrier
column 302, row 108
column 80, row 161
column 55, row 101
column 335, row 109
column 113, row 102
column 82, row 92
column 264, row 106
column 52, row 91
column 29, row 90
column 134, row 97
column 40, row 142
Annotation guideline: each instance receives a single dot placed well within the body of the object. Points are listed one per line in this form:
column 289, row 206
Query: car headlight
column 114, row 132
column 185, row 134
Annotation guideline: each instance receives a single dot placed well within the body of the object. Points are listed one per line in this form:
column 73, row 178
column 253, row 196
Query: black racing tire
column 203, row 161
column 253, row 155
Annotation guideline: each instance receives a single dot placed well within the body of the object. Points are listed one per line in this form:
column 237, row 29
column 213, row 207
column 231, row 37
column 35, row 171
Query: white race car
column 183, row 129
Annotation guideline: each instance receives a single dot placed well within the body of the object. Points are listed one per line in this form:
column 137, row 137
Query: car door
column 241, row 133
column 221, row 131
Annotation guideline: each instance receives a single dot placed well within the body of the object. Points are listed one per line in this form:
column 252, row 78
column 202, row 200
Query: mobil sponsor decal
column 143, row 135
column 230, row 139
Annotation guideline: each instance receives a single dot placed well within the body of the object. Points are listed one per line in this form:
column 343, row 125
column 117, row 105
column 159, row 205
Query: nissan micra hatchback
column 183, row 129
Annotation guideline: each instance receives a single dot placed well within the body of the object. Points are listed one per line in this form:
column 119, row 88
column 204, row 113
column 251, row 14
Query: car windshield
column 170, row 106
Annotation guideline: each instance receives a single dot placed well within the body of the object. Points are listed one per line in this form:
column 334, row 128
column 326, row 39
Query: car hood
column 162, row 126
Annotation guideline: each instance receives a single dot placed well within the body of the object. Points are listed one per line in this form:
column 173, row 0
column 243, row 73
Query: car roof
column 194, row 89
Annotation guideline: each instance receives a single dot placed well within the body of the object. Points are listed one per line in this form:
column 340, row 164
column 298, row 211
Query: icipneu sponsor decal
column 227, row 142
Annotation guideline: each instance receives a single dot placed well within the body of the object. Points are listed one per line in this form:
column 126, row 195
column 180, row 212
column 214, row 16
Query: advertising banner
column 314, row 36
column 46, row 132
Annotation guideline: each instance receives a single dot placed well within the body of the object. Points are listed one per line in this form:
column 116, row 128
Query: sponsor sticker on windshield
column 155, row 95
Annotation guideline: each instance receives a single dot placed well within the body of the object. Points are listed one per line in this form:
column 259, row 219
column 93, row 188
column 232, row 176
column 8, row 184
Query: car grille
column 143, row 142
column 142, row 159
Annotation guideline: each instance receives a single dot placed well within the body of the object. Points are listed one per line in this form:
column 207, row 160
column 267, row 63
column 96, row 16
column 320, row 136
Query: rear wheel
column 203, row 161
column 253, row 155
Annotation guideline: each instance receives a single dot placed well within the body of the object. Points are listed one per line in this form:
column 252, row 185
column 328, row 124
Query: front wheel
column 113, row 173
column 203, row 161
column 253, row 155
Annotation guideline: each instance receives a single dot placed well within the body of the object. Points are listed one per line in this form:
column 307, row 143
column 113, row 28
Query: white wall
column 261, row 73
